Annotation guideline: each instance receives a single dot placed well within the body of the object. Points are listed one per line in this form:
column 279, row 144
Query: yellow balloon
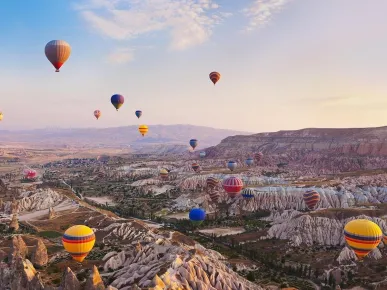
column 143, row 129
column 362, row 236
column 78, row 241
column 1, row 116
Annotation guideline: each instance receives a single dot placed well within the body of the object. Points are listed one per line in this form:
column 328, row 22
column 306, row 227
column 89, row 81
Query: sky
column 285, row 64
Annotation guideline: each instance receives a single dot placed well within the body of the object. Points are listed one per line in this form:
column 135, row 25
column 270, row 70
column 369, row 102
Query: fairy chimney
column 14, row 225
column 51, row 213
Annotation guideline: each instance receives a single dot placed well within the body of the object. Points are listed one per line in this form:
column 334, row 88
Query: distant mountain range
column 120, row 136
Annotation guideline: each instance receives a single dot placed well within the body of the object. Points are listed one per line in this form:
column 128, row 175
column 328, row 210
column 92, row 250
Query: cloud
column 326, row 101
column 261, row 12
column 121, row 55
column 189, row 22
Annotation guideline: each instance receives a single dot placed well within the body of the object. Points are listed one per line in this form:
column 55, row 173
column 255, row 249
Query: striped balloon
column 143, row 129
column 78, row 241
column 248, row 193
column 311, row 198
column 385, row 239
column 195, row 167
column 214, row 195
column 214, row 77
column 233, row 186
column 212, row 182
column 258, row 156
column 362, row 236
column 57, row 52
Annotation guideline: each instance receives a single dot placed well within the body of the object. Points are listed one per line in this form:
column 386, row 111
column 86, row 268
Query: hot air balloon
column 362, row 236
column 97, row 114
column 214, row 77
column 202, row 154
column 193, row 143
column 248, row 193
column 258, row 156
column 385, row 239
column 195, row 167
column 231, row 165
column 197, row 215
column 164, row 174
column 143, row 129
column 1, row 116
column 78, row 241
column 138, row 113
column 233, row 186
column 29, row 173
column 249, row 161
column 57, row 52
column 117, row 101
column 311, row 198
column 214, row 195
column 212, row 182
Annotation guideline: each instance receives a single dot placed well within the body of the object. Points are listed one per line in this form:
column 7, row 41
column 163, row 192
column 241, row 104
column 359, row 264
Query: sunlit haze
column 284, row 64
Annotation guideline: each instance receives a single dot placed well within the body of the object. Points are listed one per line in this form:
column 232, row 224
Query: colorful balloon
column 195, row 167
column 138, row 113
column 231, row 165
column 233, row 186
column 143, row 129
column 1, row 116
column 197, row 215
column 97, row 114
column 362, row 236
column 311, row 198
column 214, row 77
column 57, row 52
column 202, row 154
column 193, row 143
column 214, row 195
column 258, row 156
column 29, row 173
column 212, row 182
column 249, row 161
column 164, row 174
column 117, row 101
column 78, row 241
column 248, row 193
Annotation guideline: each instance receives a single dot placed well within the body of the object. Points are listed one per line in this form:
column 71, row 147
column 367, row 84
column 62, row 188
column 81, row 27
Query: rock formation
column 69, row 281
column 14, row 225
column 94, row 282
column 24, row 276
column 18, row 248
column 39, row 256
column 51, row 213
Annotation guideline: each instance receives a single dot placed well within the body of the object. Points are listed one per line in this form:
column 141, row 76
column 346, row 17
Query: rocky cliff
column 324, row 149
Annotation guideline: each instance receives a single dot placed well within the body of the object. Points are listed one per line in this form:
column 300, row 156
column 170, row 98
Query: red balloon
column 233, row 186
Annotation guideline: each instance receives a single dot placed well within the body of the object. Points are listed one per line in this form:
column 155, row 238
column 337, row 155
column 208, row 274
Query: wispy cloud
column 260, row 12
column 121, row 55
column 189, row 22
column 325, row 101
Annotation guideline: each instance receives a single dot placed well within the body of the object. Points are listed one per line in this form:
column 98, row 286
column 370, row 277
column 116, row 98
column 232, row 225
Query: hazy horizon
column 285, row 64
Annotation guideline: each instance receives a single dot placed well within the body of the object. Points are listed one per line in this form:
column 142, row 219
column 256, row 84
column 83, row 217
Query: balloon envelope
column 78, row 241
column 164, row 174
column 249, row 161
column 231, row 165
column 117, row 100
column 248, row 193
column 311, row 198
column 202, row 154
column 193, row 143
column 258, row 156
column 197, row 215
column 212, row 182
column 362, row 236
column 233, row 186
column 195, row 167
column 1, row 116
column 138, row 113
column 214, row 77
column 97, row 114
column 57, row 52
column 143, row 129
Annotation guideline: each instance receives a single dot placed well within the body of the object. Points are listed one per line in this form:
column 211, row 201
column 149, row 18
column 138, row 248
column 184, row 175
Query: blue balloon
column 193, row 143
column 231, row 165
column 138, row 114
column 249, row 161
column 197, row 215
column 202, row 154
